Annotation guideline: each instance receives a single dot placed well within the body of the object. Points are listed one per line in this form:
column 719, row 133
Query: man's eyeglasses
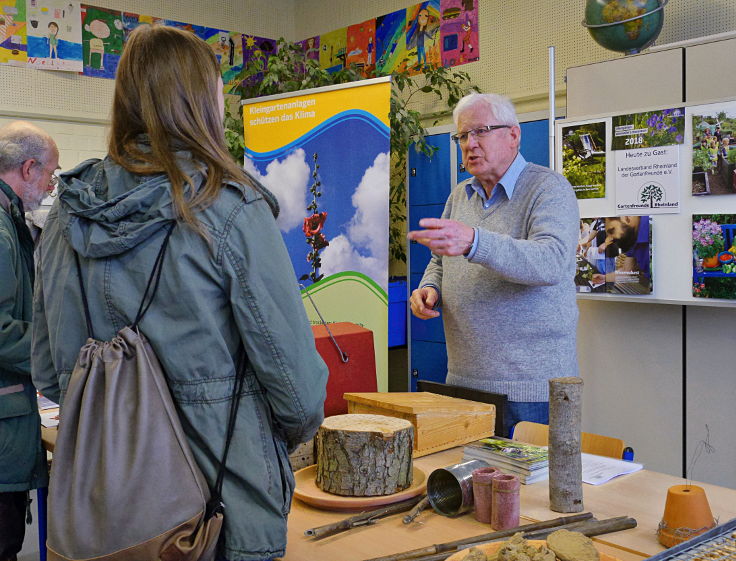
column 480, row 132
column 53, row 178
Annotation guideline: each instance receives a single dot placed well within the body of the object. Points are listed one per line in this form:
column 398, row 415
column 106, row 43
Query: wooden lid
column 417, row 402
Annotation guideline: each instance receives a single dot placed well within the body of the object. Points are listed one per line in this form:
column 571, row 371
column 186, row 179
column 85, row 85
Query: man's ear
column 25, row 169
column 516, row 135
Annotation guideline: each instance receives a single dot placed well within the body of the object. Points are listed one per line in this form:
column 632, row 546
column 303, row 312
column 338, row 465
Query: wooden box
column 358, row 374
column 440, row 422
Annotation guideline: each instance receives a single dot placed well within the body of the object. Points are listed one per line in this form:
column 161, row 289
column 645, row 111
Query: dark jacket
column 237, row 289
column 22, row 460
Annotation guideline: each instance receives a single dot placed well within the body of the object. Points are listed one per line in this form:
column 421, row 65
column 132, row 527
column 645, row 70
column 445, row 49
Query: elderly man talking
column 503, row 266
column 28, row 162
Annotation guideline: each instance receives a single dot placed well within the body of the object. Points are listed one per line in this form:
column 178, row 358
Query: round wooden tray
column 306, row 490
column 491, row 548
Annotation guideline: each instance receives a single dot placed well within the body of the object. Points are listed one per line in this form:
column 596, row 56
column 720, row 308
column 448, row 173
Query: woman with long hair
column 227, row 288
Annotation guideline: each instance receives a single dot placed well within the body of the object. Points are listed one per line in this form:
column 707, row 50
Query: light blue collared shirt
column 507, row 183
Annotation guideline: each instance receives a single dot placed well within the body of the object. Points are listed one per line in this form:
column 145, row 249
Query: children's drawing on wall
column 257, row 49
column 423, row 35
column 361, row 42
column 391, row 42
column 614, row 255
column 54, row 35
column 102, row 41
column 459, row 31
column 333, row 49
column 13, row 43
column 584, row 159
column 714, row 256
column 311, row 47
column 714, row 148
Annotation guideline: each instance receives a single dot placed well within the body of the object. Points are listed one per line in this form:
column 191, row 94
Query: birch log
column 364, row 455
column 565, row 463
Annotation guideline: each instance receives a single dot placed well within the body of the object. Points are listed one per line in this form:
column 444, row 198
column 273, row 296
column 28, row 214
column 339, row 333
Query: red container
column 358, row 374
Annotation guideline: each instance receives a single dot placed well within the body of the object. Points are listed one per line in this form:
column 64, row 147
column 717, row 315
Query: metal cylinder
column 450, row 489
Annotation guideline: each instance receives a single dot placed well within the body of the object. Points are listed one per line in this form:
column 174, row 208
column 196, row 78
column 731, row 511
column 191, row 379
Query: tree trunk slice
column 565, row 462
column 364, row 455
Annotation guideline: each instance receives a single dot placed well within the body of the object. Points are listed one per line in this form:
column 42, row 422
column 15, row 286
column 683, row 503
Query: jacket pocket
column 15, row 404
column 287, row 475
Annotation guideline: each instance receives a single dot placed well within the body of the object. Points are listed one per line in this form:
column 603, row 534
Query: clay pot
column 710, row 262
column 686, row 514
column 483, row 492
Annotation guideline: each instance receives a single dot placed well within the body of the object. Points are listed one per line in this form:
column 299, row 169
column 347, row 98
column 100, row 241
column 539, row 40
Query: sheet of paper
column 50, row 419
column 45, row 403
column 599, row 469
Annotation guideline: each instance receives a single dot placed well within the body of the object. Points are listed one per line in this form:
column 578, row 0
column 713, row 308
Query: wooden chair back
column 538, row 434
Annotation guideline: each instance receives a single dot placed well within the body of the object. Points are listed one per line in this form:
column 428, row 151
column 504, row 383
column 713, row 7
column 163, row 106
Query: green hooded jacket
column 237, row 289
column 22, row 459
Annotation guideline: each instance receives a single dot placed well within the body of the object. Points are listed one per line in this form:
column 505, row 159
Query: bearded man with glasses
column 503, row 266
column 28, row 161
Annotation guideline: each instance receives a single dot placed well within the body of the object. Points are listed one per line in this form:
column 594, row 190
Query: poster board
column 324, row 153
column 672, row 257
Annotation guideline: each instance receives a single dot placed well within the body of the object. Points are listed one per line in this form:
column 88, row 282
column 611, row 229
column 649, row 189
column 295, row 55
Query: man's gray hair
column 20, row 142
column 500, row 107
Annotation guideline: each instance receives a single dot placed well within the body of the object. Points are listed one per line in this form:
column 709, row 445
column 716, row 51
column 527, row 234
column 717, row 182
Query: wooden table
column 640, row 495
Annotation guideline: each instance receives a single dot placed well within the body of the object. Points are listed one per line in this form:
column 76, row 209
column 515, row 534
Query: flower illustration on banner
column 313, row 226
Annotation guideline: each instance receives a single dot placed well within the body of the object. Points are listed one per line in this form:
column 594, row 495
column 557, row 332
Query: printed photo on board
column 584, row 159
column 614, row 255
column 714, row 256
column 714, row 149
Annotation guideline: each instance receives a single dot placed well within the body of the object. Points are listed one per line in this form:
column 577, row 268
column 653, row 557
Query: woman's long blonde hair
column 167, row 88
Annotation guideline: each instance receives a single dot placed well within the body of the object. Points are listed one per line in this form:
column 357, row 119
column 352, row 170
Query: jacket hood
column 105, row 210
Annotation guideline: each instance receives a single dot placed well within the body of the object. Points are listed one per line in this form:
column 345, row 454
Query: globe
column 626, row 26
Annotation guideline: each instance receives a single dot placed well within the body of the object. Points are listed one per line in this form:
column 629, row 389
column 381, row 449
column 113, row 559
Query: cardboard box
column 440, row 422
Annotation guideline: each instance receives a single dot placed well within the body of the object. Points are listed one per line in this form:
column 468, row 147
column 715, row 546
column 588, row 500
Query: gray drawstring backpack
column 124, row 483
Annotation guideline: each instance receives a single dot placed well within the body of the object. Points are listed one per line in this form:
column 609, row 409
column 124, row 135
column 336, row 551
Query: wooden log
column 364, row 455
column 565, row 462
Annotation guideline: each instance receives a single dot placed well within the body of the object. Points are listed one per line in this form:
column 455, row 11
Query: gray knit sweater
column 510, row 313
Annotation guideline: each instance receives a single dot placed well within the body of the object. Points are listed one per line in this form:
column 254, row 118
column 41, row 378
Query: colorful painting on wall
column 423, row 35
column 13, row 43
column 311, row 47
column 102, row 41
column 459, row 31
column 361, row 46
column 333, row 49
column 391, row 42
column 257, row 47
column 325, row 156
column 54, row 35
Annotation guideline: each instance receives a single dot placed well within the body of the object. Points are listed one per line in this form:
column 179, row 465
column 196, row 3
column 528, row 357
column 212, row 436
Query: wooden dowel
column 591, row 528
column 453, row 545
column 421, row 505
column 358, row 519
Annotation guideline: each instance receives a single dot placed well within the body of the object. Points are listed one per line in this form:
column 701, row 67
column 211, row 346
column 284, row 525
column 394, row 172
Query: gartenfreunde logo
column 653, row 195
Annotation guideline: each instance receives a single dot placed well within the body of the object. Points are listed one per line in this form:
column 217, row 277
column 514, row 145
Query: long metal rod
column 552, row 162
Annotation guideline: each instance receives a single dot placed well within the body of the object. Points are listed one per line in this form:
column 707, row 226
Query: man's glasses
column 480, row 132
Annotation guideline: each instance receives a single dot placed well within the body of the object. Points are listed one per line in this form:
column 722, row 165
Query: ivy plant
column 289, row 69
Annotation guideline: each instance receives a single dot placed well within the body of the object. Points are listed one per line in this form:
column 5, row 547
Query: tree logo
column 651, row 193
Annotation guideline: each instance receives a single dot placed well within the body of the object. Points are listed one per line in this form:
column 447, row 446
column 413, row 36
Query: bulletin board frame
column 671, row 233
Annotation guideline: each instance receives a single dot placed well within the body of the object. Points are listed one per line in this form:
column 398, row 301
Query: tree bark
column 565, row 463
column 364, row 455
